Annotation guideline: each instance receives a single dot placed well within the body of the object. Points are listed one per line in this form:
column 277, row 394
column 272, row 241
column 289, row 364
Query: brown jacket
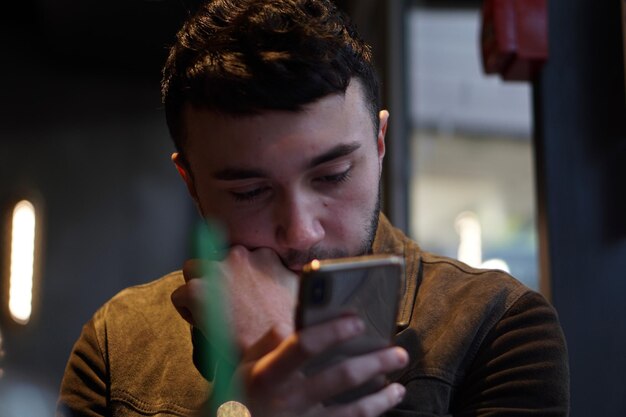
column 481, row 344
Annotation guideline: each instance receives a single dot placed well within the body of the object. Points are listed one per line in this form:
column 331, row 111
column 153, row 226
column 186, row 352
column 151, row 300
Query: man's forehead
column 336, row 115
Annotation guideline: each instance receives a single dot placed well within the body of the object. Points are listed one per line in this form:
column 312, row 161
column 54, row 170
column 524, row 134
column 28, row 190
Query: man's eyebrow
column 334, row 153
column 231, row 174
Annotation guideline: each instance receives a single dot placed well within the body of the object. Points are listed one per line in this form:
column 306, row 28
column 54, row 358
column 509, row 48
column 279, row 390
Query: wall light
column 23, row 226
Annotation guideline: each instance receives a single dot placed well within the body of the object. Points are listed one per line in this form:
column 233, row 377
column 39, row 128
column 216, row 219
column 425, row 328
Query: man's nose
column 298, row 223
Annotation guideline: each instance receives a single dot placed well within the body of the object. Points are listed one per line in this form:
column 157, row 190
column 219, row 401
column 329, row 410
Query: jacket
column 480, row 344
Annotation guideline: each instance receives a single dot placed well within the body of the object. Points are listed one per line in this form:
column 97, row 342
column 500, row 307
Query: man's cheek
column 250, row 232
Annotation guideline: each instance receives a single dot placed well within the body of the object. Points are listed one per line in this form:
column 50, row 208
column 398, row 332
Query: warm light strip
column 22, row 262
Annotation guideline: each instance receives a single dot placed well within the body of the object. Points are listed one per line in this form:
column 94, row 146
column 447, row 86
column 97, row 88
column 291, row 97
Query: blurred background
column 522, row 176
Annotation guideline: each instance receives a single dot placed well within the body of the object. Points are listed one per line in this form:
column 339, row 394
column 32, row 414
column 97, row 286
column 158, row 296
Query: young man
column 274, row 109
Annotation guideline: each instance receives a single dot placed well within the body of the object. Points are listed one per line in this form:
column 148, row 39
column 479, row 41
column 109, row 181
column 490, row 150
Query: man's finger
column 354, row 372
column 370, row 406
column 268, row 342
column 186, row 300
column 181, row 301
column 303, row 345
column 194, row 268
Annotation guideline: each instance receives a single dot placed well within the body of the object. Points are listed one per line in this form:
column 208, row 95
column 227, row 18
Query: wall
column 581, row 156
column 87, row 133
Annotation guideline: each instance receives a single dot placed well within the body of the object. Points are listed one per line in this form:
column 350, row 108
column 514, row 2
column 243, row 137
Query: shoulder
column 458, row 311
column 140, row 316
column 149, row 293
column 147, row 347
column 151, row 300
column 475, row 337
column 458, row 305
column 460, row 286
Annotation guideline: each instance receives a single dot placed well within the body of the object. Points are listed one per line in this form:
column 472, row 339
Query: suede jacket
column 480, row 344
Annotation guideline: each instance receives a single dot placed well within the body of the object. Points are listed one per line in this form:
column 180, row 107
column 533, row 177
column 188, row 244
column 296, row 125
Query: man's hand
column 260, row 293
column 261, row 298
column 271, row 375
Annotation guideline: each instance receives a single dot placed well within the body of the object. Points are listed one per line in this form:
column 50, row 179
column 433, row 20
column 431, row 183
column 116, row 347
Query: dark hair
column 240, row 57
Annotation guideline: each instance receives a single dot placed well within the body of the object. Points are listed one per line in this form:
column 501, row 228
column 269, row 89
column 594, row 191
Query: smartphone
column 368, row 286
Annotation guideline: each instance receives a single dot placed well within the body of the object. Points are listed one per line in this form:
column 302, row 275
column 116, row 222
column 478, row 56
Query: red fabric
column 514, row 38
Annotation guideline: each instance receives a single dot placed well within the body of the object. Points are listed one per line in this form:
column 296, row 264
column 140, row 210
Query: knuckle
column 393, row 395
column 195, row 286
column 238, row 252
column 349, row 375
column 381, row 361
column 338, row 328
column 279, row 332
column 306, row 346
column 191, row 269
column 306, row 350
column 344, row 328
column 386, row 360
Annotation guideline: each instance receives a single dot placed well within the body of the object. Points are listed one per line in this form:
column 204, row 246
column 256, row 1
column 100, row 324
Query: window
column 472, row 184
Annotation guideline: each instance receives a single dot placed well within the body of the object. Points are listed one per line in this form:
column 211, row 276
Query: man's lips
column 296, row 268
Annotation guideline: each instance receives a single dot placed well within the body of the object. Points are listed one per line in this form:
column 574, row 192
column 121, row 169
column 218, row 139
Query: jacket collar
column 390, row 240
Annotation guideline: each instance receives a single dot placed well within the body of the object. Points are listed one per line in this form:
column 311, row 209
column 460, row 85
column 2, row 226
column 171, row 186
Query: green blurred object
column 219, row 356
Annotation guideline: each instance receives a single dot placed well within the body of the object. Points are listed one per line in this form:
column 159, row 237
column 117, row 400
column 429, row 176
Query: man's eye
column 249, row 195
column 336, row 178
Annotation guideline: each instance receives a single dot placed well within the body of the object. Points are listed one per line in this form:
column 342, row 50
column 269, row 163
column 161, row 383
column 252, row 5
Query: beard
column 294, row 257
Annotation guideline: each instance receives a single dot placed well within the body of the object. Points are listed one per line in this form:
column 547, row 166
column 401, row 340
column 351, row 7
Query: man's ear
column 383, row 117
column 185, row 174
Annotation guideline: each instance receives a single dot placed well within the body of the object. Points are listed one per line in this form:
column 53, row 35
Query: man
column 274, row 109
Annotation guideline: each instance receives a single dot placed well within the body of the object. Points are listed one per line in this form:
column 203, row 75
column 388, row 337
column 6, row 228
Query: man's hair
column 242, row 57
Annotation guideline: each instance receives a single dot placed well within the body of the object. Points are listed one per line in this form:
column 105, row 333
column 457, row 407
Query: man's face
column 305, row 184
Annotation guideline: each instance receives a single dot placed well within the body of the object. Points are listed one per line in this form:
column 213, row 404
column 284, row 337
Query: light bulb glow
column 470, row 239
column 496, row 264
column 22, row 261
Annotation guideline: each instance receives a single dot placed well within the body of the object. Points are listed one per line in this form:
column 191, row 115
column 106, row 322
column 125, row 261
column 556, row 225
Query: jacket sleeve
column 84, row 386
column 521, row 368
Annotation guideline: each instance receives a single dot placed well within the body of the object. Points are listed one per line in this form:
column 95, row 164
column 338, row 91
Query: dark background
column 82, row 124
column 580, row 144
column 82, row 128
